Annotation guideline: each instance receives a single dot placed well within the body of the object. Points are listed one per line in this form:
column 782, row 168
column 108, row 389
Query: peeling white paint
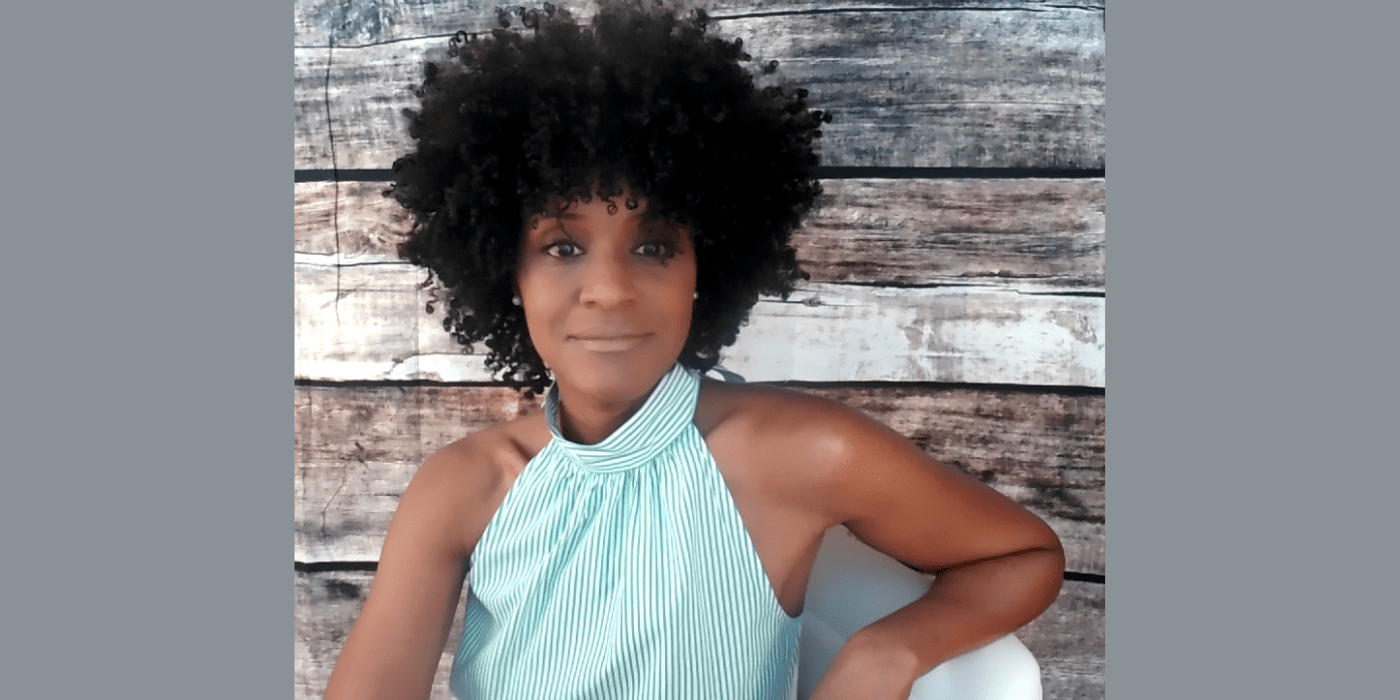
column 378, row 329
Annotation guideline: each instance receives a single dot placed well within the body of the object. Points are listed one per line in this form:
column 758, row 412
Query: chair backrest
column 853, row 585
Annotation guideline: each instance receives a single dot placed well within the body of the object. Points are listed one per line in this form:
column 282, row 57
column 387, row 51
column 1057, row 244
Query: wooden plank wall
column 957, row 266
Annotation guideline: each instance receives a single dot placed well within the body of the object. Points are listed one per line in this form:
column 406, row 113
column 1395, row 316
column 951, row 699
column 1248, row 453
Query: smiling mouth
column 616, row 343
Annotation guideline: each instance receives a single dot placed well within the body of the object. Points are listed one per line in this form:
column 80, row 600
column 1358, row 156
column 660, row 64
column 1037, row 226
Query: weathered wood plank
column 327, row 603
column 1067, row 640
column 355, row 23
column 955, row 88
column 1031, row 235
column 930, row 88
column 369, row 322
column 738, row 8
column 351, row 219
column 362, row 322
column 357, row 447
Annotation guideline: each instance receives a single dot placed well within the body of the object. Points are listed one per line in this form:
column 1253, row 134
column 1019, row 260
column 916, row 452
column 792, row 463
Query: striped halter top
column 622, row 571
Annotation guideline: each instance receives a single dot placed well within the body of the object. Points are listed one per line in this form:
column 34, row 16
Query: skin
column 607, row 296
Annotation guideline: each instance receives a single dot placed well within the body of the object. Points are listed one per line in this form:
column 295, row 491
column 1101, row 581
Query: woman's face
column 607, row 296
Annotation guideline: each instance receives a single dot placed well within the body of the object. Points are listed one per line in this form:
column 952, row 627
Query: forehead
column 602, row 212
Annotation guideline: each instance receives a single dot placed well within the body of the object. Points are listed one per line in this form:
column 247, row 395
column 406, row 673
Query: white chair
column 853, row 585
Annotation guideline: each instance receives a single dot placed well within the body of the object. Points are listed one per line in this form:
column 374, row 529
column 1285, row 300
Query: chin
column 614, row 378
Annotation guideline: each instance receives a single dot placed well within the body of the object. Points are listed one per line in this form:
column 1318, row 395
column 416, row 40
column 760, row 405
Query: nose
column 607, row 281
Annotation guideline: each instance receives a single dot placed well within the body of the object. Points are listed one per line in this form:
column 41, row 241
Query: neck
column 589, row 421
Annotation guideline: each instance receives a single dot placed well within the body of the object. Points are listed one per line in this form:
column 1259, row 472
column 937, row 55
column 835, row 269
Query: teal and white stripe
column 622, row 571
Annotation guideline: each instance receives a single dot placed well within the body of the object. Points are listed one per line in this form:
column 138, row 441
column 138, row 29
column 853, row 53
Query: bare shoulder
column 464, row 482
column 815, row 426
column 805, row 441
column 846, row 467
column 768, row 412
column 488, row 456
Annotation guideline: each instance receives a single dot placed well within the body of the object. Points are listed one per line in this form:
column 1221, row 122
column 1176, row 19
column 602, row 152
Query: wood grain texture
column 1030, row 235
column 962, row 87
column 357, row 448
column 369, row 322
column 327, row 603
column 1067, row 639
column 357, row 23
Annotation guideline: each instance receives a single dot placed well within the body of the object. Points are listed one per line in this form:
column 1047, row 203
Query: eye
column 563, row 249
column 654, row 250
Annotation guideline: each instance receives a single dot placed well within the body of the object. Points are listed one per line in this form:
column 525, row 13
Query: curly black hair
column 639, row 100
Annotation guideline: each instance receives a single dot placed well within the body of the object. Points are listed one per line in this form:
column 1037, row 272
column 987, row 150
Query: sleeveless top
column 622, row 571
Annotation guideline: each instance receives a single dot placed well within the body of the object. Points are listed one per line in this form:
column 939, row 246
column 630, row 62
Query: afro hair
column 638, row 100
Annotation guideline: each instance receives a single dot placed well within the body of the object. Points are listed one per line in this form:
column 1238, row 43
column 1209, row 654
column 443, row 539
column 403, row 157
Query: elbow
column 1048, row 560
column 1035, row 576
column 1045, row 572
column 1032, row 582
column 1055, row 553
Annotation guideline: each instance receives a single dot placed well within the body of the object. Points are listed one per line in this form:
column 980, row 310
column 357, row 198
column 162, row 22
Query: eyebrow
column 644, row 218
column 574, row 216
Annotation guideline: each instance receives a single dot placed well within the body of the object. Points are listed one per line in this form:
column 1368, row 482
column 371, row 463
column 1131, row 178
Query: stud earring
column 515, row 300
column 696, row 295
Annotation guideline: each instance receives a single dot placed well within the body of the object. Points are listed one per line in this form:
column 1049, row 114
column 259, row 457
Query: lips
column 610, row 342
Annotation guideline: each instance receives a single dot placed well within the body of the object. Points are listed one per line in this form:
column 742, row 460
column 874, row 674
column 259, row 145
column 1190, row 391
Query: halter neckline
column 660, row 420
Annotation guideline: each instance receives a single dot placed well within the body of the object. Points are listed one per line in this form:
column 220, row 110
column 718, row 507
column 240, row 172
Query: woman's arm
column 393, row 650
column 998, row 566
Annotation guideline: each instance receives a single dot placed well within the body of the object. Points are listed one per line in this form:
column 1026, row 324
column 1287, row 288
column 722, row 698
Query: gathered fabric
column 622, row 571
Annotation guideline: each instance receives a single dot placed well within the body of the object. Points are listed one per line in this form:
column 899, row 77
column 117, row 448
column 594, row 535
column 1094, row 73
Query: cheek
column 542, row 340
column 535, row 309
column 539, row 313
column 533, row 284
column 682, row 302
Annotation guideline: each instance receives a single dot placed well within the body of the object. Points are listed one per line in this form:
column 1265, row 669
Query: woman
column 603, row 206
